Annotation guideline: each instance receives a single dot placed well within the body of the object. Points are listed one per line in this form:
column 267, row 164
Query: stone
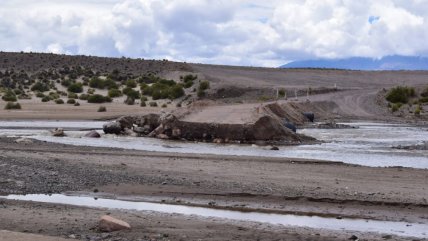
column 93, row 134
column 58, row 132
column 353, row 237
column 110, row 224
column 112, row 128
column 218, row 141
column 274, row 148
column 23, row 141
column 162, row 136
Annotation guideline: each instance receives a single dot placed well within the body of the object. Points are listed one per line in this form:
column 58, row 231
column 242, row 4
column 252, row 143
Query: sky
column 265, row 33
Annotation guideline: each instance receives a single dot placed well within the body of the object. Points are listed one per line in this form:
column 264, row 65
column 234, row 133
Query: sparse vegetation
column 9, row 96
column 153, row 104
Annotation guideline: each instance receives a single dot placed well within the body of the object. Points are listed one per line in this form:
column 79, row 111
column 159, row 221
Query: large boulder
column 110, row 224
column 93, row 134
column 126, row 122
column 112, row 128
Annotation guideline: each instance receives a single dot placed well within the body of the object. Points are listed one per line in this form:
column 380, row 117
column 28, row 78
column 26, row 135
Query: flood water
column 361, row 225
column 370, row 144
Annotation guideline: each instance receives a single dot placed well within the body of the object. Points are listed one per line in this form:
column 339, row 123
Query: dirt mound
column 289, row 112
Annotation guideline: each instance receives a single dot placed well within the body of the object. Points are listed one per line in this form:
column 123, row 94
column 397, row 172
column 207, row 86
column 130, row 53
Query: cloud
column 236, row 32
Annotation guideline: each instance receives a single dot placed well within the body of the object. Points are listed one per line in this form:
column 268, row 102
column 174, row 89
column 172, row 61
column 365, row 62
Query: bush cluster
column 400, row 94
column 12, row 106
column 163, row 89
column 75, row 88
column 99, row 83
column 98, row 99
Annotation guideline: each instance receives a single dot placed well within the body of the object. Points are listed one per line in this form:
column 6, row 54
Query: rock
column 58, row 132
column 218, row 140
column 310, row 116
column 93, row 134
column 162, row 136
column 112, row 128
column 290, row 126
column 23, row 141
column 353, row 237
column 126, row 122
column 274, row 148
column 176, row 133
column 110, row 224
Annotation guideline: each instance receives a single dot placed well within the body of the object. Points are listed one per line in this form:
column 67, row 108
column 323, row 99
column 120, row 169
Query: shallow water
column 369, row 145
column 361, row 225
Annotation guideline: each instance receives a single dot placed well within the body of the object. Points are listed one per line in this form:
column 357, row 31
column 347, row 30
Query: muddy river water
column 370, row 144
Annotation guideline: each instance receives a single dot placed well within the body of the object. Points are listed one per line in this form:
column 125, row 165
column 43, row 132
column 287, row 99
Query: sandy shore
column 276, row 185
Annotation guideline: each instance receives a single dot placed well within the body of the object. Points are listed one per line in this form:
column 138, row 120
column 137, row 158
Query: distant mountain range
column 395, row 62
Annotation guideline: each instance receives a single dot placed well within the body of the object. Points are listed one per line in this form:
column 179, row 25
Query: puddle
column 359, row 225
column 368, row 145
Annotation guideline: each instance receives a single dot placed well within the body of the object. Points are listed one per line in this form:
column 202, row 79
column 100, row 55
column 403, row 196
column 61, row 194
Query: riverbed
column 368, row 144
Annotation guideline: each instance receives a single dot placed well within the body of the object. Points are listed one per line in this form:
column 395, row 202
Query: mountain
column 394, row 62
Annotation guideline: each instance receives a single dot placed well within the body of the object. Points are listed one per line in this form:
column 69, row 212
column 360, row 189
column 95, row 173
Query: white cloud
column 237, row 32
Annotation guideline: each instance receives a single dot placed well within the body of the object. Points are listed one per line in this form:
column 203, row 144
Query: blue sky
column 233, row 32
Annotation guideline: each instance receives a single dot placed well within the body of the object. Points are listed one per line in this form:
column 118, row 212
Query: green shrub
column 12, row 106
column 90, row 91
column 204, row 85
column 71, row 101
column 133, row 94
column 59, row 101
column 423, row 100
column 102, row 109
column 54, row 95
column 40, row 95
column 418, row 110
column 110, row 84
column 153, row 104
column 46, row 98
column 395, row 107
column 130, row 101
column 281, row 93
column 131, row 83
column 83, row 97
column 17, row 91
column 9, row 96
column 75, row 88
column 72, row 95
column 143, row 104
column 113, row 93
column 143, row 98
column 77, row 104
column 201, row 93
column 98, row 99
column 400, row 94
column 164, row 105
column 97, row 82
column 39, row 86
column 176, row 91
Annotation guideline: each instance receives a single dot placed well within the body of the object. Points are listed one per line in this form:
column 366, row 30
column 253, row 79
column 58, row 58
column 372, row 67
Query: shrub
column 113, row 93
column 12, row 106
column 77, row 104
column 53, row 95
column 72, row 95
column 143, row 98
column 98, row 99
column 201, row 93
column 130, row 101
column 423, row 100
column 204, row 85
column 97, row 82
column 46, row 99
column 83, row 97
column 40, row 95
column 133, row 94
column 281, row 93
column 400, row 94
column 143, row 104
column 71, row 101
column 59, row 101
column 131, row 83
column 75, row 88
column 164, row 105
column 395, row 107
column 90, row 91
column 153, row 104
column 39, row 86
column 110, row 84
column 176, row 91
column 179, row 104
column 102, row 109
column 17, row 91
column 418, row 110
column 9, row 96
